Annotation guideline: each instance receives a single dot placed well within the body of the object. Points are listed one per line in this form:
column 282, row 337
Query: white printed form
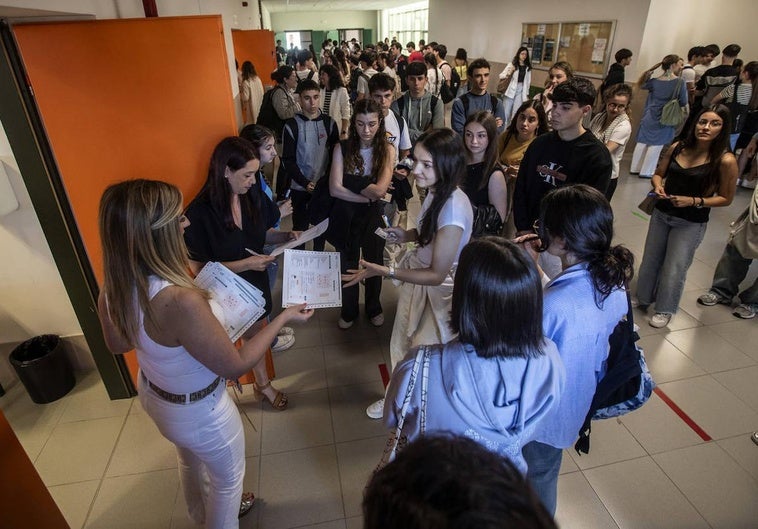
column 312, row 278
column 242, row 304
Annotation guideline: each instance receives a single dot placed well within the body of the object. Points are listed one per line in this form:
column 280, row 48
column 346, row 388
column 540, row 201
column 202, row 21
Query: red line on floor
column 385, row 374
column 682, row 415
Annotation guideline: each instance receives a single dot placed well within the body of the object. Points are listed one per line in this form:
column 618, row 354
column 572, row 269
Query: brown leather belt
column 184, row 398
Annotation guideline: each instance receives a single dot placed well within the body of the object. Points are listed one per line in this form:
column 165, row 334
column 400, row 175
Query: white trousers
column 645, row 159
column 210, row 448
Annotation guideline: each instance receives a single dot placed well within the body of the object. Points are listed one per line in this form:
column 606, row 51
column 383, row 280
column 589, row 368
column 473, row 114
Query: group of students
column 521, row 389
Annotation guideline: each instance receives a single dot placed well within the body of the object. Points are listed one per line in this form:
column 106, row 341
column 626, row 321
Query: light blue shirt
column 580, row 330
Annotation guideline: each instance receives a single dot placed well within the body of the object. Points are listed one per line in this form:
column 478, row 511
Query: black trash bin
column 43, row 368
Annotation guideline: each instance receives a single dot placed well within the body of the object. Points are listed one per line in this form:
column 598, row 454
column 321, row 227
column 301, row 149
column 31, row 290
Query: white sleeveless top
column 172, row 369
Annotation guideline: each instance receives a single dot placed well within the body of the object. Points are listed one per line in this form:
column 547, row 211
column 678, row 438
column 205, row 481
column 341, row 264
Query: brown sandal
column 280, row 401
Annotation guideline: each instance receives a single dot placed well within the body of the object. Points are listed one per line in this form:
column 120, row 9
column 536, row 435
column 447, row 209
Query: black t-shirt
column 550, row 162
column 208, row 238
column 477, row 193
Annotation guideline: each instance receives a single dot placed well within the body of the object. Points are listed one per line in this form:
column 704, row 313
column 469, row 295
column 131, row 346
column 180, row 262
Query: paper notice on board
column 312, row 278
column 541, row 29
column 584, row 30
column 598, row 50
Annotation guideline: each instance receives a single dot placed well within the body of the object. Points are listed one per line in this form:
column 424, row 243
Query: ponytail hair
column 583, row 218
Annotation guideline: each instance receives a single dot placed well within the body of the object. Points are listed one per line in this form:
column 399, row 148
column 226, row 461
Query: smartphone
column 386, row 221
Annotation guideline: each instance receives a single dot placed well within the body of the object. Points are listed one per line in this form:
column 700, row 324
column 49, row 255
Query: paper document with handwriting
column 312, row 278
column 307, row 235
column 240, row 301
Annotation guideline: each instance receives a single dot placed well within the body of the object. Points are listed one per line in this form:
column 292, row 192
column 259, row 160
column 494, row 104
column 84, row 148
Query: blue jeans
column 730, row 272
column 669, row 249
column 544, row 463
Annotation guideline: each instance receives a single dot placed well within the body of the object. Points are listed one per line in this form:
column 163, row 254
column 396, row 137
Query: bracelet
column 693, row 201
column 702, row 203
column 391, row 273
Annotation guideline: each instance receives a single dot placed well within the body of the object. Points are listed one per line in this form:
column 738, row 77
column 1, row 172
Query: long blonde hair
column 140, row 235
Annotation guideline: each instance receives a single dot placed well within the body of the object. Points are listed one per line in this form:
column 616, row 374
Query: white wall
column 698, row 22
column 323, row 20
column 33, row 299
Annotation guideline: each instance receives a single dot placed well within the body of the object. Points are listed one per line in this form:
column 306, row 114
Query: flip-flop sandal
column 246, row 504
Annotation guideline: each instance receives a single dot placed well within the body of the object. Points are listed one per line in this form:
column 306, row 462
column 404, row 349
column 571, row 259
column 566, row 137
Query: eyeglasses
column 616, row 106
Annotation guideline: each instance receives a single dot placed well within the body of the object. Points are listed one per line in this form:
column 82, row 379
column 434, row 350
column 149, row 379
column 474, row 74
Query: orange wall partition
column 129, row 98
column 258, row 47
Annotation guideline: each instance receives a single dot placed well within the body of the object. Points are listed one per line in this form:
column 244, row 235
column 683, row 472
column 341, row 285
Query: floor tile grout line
column 108, row 464
column 680, row 490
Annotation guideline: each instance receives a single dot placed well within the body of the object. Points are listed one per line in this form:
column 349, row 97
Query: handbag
column 627, row 383
column 487, row 221
column 648, row 203
column 502, row 84
column 672, row 113
column 396, row 441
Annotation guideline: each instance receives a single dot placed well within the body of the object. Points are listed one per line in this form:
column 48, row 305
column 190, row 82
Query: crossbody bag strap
column 408, row 395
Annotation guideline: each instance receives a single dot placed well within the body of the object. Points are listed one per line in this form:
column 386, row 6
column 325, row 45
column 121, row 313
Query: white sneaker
column 376, row 410
column 342, row 324
column 283, row 342
column 378, row 320
column 286, row 330
column 660, row 319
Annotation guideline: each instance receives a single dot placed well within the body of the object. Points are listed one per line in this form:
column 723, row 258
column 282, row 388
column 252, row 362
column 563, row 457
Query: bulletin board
column 585, row 45
column 541, row 41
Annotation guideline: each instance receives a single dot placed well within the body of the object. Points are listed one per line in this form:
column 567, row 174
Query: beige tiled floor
column 107, row 466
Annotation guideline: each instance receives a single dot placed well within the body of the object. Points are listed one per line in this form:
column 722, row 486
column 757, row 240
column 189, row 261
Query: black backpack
column 310, row 76
column 626, row 384
column 447, row 93
column 267, row 115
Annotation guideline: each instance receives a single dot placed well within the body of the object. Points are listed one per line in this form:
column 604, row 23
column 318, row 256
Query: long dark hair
column 335, row 78
column 716, row 149
column 353, row 161
column 446, row 149
column 488, row 122
column 496, row 282
column 527, row 62
column 751, row 69
column 233, row 153
column 583, row 218
column 248, row 71
column 542, row 125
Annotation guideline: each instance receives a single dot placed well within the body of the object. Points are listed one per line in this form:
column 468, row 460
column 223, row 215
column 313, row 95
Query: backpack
column 310, row 76
column 400, row 65
column 672, row 113
column 465, row 102
column 448, row 93
column 353, row 88
column 627, row 383
column 267, row 115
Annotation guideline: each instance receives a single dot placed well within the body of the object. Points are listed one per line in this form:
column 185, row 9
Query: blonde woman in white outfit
column 149, row 303
column 519, row 71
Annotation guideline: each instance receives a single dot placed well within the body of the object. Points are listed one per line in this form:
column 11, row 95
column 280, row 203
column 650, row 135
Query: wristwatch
column 701, row 203
column 391, row 273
